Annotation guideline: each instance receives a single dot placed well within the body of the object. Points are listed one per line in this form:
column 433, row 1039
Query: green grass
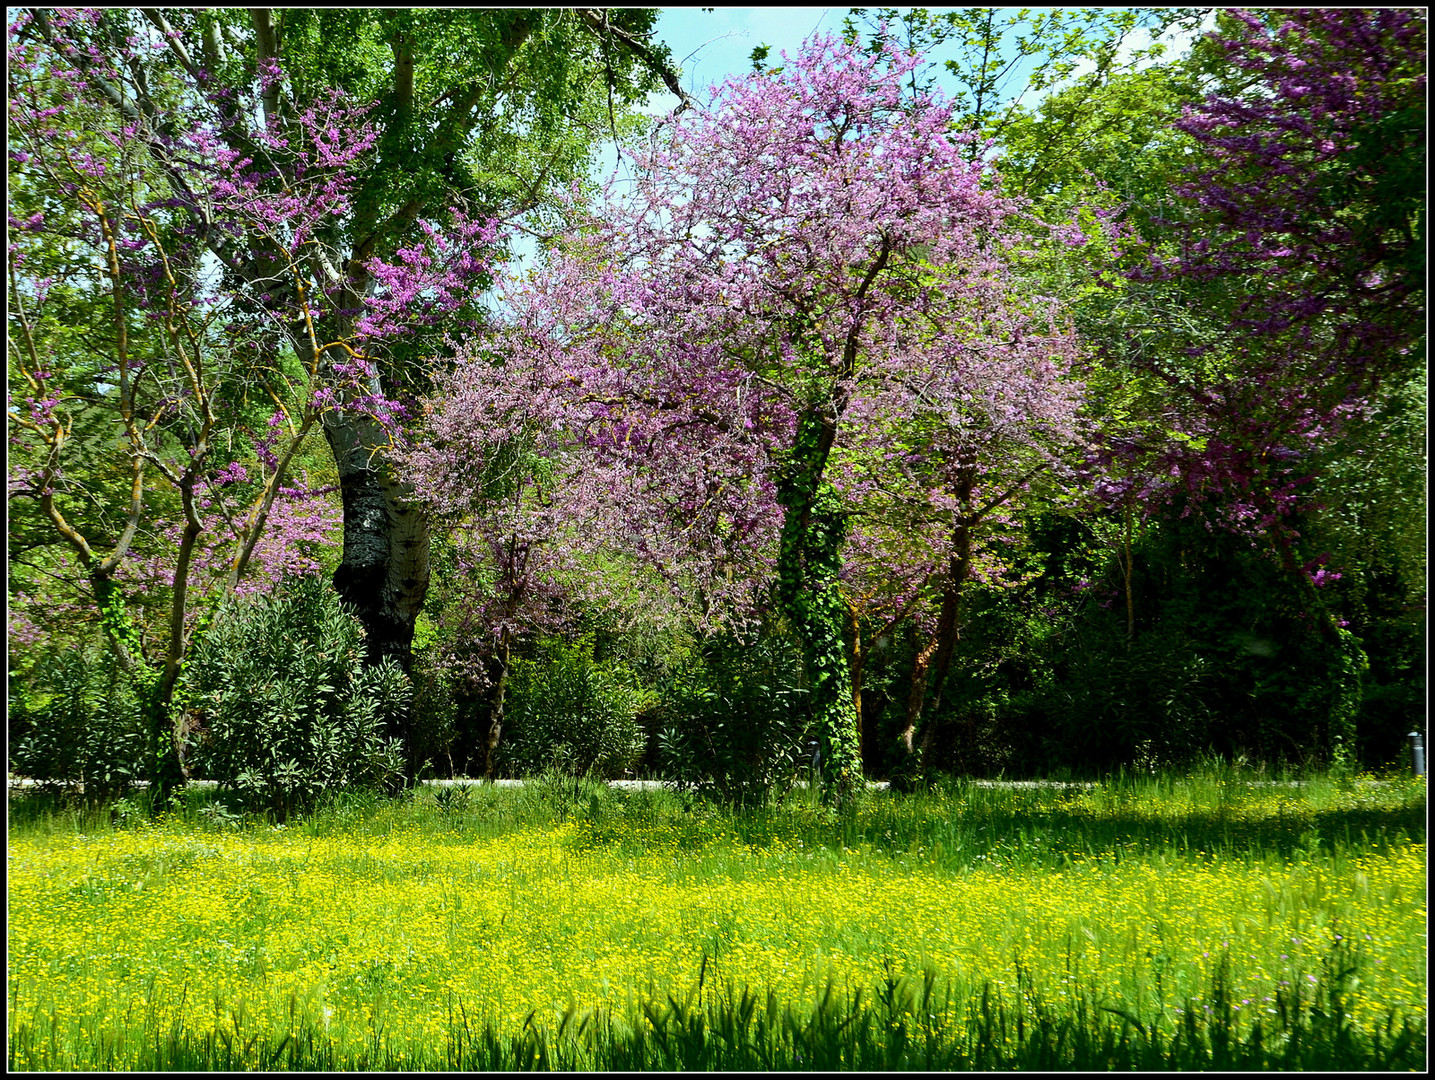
column 1188, row 922
column 903, row 1025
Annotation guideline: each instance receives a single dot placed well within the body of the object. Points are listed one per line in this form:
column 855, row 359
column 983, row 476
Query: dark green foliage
column 434, row 717
column 1118, row 705
column 1225, row 656
column 282, row 705
column 570, row 712
column 735, row 719
column 1373, row 525
column 81, row 720
column 1389, row 713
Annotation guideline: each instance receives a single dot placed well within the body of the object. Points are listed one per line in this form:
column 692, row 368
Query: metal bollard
column 1417, row 753
column 815, row 749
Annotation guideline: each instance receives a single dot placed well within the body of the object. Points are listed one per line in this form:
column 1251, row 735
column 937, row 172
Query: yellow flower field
column 388, row 934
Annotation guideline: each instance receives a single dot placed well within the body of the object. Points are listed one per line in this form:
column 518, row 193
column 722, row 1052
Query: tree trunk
column 495, row 714
column 167, row 769
column 931, row 669
column 384, row 570
column 1126, row 572
column 935, row 658
column 949, row 627
column 921, row 666
column 808, row 565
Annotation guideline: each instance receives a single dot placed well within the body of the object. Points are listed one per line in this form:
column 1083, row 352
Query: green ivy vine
column 119, row 625
column 809, row 561
column 1349, row 667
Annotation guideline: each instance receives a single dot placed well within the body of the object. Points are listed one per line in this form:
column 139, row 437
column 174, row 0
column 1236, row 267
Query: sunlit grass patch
column 372, row 923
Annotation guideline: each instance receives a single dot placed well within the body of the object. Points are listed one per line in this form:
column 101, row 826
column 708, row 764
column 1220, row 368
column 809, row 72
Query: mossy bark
column 153, row 686
column 809, row 564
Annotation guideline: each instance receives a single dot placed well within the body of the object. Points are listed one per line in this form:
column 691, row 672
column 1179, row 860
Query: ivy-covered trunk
column 1336, row 702
column 153, row 688
column 809, row 562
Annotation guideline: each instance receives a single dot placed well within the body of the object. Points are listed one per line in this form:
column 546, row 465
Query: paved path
column 18, row 783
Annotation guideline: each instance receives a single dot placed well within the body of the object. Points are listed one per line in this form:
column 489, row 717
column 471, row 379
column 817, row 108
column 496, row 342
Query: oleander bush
column 568, row 711
column 282, row 707
column 735, row 721
column 80, row 720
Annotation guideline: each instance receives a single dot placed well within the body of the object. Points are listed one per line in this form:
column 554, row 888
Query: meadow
column 1214, row 920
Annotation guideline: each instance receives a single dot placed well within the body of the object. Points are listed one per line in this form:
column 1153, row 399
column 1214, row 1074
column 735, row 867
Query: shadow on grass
column 963, row 825
column 957, row 824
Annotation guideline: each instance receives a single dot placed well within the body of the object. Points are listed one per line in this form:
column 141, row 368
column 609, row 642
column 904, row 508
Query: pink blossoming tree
column 182, row 360
column 1301, row 262
column 1306, row 246
column 810, row 257
column 479, row 109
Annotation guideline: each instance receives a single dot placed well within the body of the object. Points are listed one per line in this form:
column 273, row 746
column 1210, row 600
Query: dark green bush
column 1388, row 714
column 284, row 707
column 735, row 719
column 434, row 717
column 571, row 713
column 81, row 721
column 1145, row 704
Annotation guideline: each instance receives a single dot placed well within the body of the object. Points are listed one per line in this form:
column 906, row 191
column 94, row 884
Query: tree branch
column 597, row 21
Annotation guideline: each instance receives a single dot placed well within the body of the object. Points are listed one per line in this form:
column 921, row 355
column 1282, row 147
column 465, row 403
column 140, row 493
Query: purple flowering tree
column 511, row 505
column 1306, row 245
column 935, row 506
column 811, row 255
column 1299, row 268
column 526, row 461
column 170, row 355
column 472, row 109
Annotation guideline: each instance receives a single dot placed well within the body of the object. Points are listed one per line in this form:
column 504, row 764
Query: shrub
column 1389, row 712
column 566, row 711
column 285, row 707
column 736, row 719
column 82, row 721
column 1142, row 705
column 434, row 715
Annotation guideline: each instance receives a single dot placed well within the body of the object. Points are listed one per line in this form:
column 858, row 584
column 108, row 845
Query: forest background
column 1119, row 462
